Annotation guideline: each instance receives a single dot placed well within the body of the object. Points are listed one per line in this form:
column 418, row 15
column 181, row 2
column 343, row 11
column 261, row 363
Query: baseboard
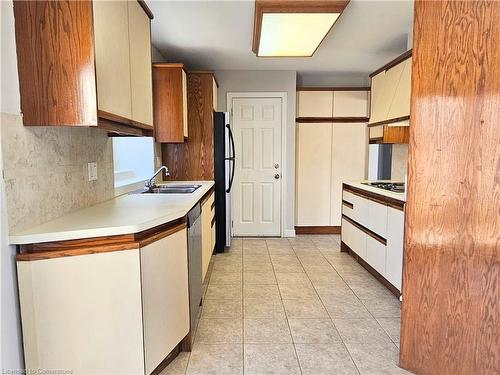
column 289, row 233
column 373, row 271
column 317, row 229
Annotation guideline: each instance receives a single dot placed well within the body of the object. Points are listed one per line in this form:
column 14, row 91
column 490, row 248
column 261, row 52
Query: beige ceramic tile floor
column 292, row 306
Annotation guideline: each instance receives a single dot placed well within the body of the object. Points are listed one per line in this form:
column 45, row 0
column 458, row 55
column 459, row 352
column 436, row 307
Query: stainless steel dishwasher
column 195, row 265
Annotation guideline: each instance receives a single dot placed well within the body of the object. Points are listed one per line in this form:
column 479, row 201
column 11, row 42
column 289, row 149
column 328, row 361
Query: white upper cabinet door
column 400, row 105
column 140, row 64
column 112, row 57
column 349, row 154
column 313, row 165
column 350, row 103
column 315, row 103
column 380, row 98
column 395, row 243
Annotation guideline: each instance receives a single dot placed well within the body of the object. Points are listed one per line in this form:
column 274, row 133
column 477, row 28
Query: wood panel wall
column 450, row 313
column 194, row 159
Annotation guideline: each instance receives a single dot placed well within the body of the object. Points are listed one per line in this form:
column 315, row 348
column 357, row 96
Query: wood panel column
column 450, row 314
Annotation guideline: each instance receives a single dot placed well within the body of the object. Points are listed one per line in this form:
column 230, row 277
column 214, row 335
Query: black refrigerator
column 224, row 155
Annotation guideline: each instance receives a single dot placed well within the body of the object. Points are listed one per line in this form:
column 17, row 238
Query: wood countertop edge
column 379, row 198
column 96, row 245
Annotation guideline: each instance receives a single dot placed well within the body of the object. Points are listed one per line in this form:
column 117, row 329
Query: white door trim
column 283, row 96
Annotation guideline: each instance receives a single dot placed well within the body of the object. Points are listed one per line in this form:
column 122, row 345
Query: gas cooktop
column 396, row 187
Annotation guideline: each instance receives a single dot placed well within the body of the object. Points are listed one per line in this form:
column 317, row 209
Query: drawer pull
column 348, row 204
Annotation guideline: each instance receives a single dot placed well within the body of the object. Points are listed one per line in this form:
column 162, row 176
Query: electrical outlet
column 92, row 169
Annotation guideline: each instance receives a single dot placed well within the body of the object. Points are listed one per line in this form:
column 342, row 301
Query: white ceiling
column 217, row 35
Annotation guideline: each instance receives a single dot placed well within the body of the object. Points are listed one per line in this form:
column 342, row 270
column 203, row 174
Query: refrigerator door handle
column 231, row 158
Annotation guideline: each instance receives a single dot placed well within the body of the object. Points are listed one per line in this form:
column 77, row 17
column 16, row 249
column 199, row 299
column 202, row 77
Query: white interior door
column 256, row 198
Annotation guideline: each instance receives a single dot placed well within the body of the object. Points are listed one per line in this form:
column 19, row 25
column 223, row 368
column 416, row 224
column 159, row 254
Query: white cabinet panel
column 67, row 305
column 376, row 220
column 112, row 57
column 315, row 103
column 141, row 81
column 350, row 103
column 313, row 163
column 395, row 239
column 375, row 254
column 206, row 234
column 349, row 162
column 354, row 238
column 165, row 296
column 400, row 105
column 359, row 211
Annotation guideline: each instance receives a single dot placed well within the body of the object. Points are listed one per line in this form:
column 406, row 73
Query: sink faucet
column 151, row 182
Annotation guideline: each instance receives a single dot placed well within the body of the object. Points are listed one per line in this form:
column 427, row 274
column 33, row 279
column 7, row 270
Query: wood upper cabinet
column 141, row 82
column 170, row 103
column 194, row 159
column 84, row 63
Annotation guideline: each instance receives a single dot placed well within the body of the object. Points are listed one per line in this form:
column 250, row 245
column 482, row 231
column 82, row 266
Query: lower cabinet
column 105, row 312
column 394, row 263
column 375, row 232
column 165, row 298
column 207, row 232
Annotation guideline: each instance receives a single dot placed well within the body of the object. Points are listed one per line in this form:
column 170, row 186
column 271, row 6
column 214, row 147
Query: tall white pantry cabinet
column 331, row 147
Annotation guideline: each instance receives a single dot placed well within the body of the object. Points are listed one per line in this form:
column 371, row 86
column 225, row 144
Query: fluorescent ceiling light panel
column 293, row 34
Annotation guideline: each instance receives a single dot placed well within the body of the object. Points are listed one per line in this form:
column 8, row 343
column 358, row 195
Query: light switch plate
column 92, row 169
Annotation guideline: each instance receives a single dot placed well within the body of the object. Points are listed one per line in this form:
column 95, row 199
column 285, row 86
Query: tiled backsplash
column 45, row 170
column 399, row 166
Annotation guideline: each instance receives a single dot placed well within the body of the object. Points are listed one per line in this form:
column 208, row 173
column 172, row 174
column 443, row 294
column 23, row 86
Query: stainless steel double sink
column 170, row 189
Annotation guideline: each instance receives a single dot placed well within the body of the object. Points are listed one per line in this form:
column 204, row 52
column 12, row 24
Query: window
column 133, row 159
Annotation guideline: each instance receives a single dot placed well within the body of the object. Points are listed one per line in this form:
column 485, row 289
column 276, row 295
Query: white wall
column 11, row 356
column 268, row 81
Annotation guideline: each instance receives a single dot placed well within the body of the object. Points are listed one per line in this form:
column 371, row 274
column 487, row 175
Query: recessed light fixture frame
column 292, row 6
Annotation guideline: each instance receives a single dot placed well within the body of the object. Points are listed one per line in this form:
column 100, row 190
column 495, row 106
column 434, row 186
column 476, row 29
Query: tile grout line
column 333, row 323
column 360, row 300
column 286, row 317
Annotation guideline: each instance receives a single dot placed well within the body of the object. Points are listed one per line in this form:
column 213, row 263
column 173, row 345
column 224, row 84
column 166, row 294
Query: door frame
column 258, row 95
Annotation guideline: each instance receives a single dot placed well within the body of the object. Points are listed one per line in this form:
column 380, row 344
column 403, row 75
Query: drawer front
column 354, row 238
column 375, row 254
column 376, row 220
column 359, row 210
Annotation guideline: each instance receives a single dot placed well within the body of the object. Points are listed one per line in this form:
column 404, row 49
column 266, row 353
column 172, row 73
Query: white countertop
column 359, row 184
column 126, row 214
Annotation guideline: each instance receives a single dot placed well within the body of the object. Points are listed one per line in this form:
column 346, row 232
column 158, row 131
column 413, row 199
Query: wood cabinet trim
column 168, row 65
column 59, row 249
column 316, row 229
column 146, row 9
column 392, row 63
column 388, row 121
column 306, row 88
column 316, row 120
column 378, row 198
column 367, row 231
column 373, row 271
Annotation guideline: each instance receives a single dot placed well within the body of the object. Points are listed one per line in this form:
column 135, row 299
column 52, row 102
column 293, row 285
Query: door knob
column 276, row 166
column 277, row 176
